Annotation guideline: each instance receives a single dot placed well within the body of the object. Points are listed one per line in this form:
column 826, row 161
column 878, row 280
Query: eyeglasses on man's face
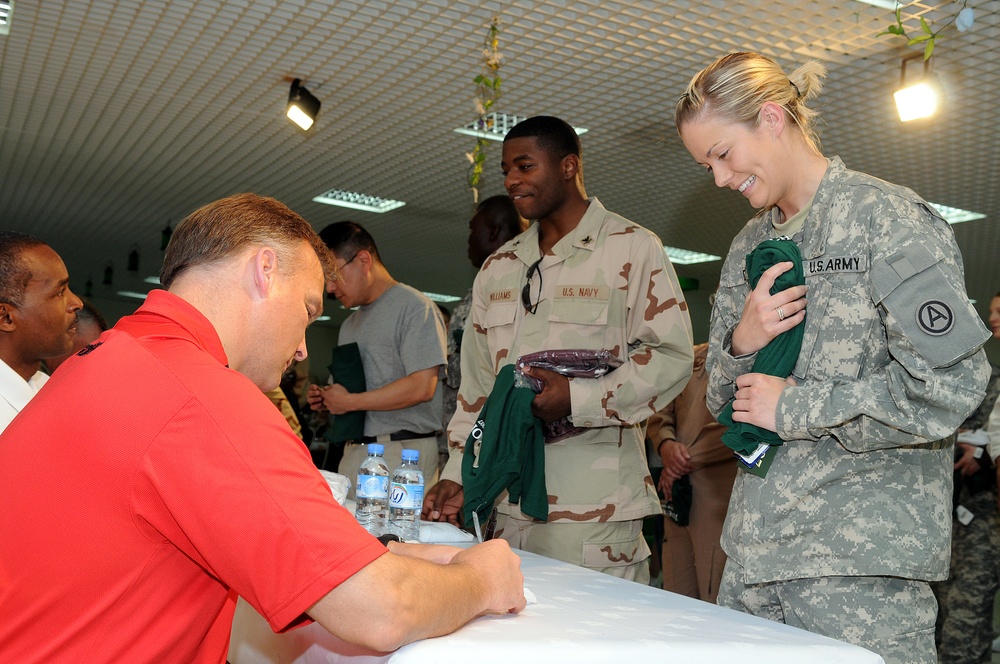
column 337, row 272
column 526, row 290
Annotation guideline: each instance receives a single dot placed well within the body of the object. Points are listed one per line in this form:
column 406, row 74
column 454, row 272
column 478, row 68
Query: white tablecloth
column 581, row 616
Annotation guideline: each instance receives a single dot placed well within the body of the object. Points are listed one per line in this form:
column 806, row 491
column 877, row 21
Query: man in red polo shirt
column 151, row 482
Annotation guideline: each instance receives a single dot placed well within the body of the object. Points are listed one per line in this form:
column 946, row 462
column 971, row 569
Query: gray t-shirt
column 398, row 334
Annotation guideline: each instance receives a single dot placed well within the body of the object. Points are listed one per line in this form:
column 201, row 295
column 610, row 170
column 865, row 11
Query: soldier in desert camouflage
column 495, row 222
column 853, row 518
column 580, row 277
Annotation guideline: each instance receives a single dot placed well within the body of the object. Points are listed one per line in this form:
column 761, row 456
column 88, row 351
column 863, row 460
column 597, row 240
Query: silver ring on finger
column 781, row 314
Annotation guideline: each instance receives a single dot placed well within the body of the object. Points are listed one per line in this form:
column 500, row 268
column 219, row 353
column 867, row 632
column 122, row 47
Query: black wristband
column 388, row 537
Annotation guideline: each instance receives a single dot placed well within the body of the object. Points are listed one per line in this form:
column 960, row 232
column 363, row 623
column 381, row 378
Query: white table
column 581, row 616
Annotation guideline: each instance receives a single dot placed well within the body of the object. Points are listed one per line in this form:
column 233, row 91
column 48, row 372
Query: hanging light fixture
column 133, row 259
column 165, row 237
column 303, row 107
column 919, row 99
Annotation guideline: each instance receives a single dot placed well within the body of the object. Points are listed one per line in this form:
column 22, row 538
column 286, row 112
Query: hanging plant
column 487, row 94
column 928, row 37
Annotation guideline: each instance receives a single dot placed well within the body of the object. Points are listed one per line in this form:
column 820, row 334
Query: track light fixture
column 303, row 107
column 916, row 100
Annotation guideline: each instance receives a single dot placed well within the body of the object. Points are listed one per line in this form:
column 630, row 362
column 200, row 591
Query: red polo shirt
column 143, row 489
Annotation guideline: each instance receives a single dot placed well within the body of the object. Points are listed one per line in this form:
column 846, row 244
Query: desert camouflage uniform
column 891, row 363
column 607, row 284
column 693, row 559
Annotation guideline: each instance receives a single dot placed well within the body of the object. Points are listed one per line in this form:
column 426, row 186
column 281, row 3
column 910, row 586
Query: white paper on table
column 439, row 532
column 339, row 485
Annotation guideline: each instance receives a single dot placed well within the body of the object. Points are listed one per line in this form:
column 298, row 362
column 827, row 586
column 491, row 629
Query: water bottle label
column 407, row 496
column 373, row 486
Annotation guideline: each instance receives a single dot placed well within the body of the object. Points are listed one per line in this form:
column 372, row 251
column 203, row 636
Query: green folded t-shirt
column 346, row 369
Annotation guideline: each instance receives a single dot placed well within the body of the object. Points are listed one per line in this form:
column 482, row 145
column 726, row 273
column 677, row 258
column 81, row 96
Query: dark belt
column 395, row 435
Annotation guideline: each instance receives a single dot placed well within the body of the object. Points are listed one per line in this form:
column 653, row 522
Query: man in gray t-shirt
column 401, row 337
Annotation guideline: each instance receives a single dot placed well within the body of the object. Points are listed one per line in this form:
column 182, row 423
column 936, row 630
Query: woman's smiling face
column 738, row 157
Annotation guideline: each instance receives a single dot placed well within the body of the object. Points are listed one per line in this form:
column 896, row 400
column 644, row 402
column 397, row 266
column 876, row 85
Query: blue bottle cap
column 376, row 448
column 411, row 455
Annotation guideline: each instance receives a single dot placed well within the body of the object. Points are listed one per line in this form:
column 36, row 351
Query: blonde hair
column 736, row 86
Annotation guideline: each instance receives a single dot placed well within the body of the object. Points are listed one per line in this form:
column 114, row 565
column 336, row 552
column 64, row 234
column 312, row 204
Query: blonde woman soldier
column 843, row 532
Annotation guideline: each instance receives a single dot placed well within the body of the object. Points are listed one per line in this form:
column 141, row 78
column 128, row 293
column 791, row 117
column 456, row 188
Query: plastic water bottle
column 406, row 497
column 372, row 494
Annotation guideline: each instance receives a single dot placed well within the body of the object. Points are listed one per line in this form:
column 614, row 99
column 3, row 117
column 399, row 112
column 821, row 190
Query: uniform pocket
column 499, row 324
column 579, row 311
column 838, row 325
column 615, row 552
column 732, row 293
column 933, row 314
column 500, row 314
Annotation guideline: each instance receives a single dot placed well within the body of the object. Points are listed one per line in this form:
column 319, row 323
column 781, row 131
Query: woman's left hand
column 757, row 397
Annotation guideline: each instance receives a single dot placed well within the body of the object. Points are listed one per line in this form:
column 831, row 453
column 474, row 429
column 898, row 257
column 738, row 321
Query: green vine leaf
column 487, row 93
column 928, row 36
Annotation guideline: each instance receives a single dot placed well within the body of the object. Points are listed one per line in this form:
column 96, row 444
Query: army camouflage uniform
column 980, row 418
column 607, row 284
column 890, row 364
column 965, row 616
column 456, row 328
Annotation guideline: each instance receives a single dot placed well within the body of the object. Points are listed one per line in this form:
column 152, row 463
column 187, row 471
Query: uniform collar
column 584, row 236
column 815, row 229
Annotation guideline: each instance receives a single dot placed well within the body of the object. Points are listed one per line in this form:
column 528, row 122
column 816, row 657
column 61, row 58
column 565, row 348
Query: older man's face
column 46, row 319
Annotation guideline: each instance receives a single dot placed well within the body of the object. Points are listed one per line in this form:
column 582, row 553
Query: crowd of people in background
column 811, row 455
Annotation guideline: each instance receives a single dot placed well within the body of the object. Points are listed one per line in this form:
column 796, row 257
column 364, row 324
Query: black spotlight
column 303, row 107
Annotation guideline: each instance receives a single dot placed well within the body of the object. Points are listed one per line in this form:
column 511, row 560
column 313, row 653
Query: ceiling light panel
column 6, row 10
column 356, row 201
column 884, row 4
column 688, row 257
column 497, row 125
column 438, row 297
column 956, row 215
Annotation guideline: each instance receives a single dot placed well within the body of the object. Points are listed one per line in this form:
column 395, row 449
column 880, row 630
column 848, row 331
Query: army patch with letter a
column 935, row 317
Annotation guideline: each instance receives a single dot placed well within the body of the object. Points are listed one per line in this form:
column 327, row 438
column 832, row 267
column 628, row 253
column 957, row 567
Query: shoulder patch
column 927, row 300
column 935, row 317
